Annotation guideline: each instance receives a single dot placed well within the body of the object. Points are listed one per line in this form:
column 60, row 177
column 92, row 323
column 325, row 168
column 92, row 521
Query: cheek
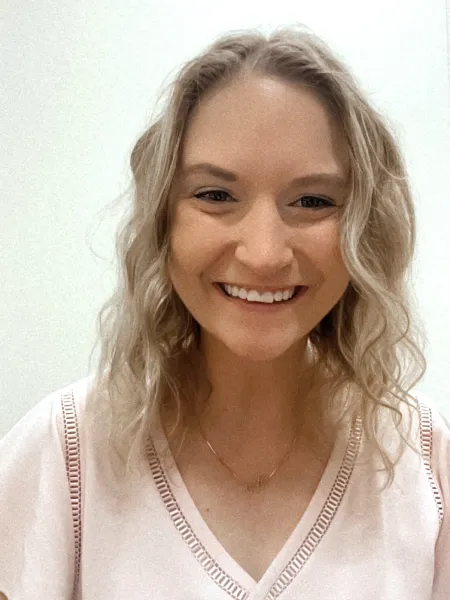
column 189, row 256
column 195, row 240
column 336, row 271
column 321, row 241
column 326, row 249
column 181, row 262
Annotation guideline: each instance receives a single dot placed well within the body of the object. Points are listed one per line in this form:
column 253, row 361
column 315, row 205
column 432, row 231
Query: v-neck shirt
column 145, row 537
column 316, row 519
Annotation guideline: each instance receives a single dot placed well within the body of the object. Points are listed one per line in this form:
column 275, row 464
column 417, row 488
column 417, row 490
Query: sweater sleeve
column 441, row 472
column 36, row 530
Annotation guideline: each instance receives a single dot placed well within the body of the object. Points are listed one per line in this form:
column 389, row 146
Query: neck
column 257, row 408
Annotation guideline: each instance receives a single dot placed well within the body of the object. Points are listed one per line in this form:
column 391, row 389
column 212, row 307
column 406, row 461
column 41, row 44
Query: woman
column 251, row 394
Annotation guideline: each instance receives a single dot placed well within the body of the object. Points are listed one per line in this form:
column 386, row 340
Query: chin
column 259, row 352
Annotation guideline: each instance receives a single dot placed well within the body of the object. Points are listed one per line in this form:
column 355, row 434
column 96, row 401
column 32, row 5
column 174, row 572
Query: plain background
column 78, row 82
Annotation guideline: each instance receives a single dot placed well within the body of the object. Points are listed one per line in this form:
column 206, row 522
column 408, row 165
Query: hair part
column 149, row 341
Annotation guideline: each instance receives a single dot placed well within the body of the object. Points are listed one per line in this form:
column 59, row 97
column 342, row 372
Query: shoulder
column 437, row 423
column 433, row 429
column 43, row 425
column 35, row 499
column 434, row 436
column 433, row 421
column 34, row 450
column 435, row 442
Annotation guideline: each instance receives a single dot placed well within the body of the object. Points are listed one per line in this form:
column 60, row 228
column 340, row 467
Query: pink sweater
column 146, row 539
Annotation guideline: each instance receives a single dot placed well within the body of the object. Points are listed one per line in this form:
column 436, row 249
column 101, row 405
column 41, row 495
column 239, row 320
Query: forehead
column 265, row 121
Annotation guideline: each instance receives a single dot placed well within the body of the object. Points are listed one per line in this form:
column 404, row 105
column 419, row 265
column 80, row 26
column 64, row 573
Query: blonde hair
column 149, row 341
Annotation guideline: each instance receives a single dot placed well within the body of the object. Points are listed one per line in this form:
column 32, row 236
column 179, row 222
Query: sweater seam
column 426, row 443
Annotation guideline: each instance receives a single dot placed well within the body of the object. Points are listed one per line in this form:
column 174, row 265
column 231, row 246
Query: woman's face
column 255, row 226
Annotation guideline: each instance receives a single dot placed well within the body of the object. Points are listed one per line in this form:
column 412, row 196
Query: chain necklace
column 261, row 481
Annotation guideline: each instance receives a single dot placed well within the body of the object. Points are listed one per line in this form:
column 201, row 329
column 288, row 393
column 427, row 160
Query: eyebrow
column 330, row 178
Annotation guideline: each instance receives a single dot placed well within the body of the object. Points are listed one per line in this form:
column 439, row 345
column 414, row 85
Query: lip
column 258, row 307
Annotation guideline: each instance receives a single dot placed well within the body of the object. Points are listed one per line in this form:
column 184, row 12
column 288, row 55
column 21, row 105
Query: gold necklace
column 261, row 481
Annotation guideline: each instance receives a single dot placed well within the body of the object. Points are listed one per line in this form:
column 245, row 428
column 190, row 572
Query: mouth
column 299, row 291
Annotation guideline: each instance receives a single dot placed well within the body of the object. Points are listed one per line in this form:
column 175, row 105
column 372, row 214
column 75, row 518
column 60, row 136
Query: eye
column 202, row 195
column 326, row 203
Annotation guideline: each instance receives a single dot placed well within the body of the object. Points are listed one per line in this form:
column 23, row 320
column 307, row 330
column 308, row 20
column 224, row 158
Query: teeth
column 254, row 296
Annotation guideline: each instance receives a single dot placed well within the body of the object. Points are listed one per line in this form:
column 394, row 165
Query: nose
column 264, row 240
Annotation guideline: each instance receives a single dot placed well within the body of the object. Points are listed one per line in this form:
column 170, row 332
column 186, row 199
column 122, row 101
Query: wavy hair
column 149, row 341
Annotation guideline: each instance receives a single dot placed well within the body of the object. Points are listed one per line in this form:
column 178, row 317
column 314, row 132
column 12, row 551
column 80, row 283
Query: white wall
column 79, row 80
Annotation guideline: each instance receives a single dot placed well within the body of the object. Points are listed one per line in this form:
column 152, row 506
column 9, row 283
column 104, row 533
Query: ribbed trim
column 222, row 579
column 225, row 582
column 326, row 515
column 73, row 468
column 426, row 442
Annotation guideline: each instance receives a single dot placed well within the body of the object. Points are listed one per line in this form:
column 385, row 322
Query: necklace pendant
column 257, row 485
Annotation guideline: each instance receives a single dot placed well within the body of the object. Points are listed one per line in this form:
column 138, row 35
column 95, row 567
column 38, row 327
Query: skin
column 268, row 132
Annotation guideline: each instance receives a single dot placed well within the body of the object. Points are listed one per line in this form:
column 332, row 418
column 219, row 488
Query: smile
column 264, row 304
